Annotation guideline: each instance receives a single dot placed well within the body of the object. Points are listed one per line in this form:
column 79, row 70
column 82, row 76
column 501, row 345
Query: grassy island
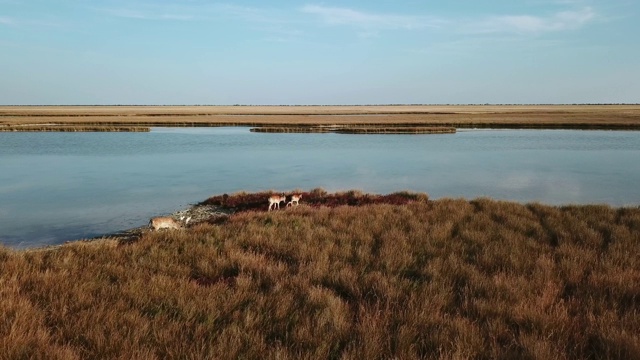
column 358, row 129
column 72, row 128
column 341, row 276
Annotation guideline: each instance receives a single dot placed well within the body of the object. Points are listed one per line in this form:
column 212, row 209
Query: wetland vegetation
column 358, row 129
column 346, row 275
column 73, row 128
column 619, row 117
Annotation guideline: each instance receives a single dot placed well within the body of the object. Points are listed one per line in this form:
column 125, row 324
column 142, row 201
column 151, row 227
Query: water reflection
column 62, row 186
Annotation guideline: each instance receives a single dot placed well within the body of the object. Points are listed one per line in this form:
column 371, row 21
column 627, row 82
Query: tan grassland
column 515, row 116
column 422, row 279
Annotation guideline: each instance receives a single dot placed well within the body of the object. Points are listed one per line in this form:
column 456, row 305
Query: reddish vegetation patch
column 241, row 201
column 354, row 198
column 259, row 201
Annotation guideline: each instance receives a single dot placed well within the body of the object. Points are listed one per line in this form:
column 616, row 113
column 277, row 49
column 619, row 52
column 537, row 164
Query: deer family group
column 167, row 222
column 275, row 200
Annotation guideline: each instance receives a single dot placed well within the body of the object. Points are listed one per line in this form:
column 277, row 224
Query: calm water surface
column 56, row 187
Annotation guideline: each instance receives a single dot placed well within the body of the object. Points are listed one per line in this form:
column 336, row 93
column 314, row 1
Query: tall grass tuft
column 406, row 279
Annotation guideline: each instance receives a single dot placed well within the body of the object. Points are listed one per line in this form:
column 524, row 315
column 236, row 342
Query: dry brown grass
column 344, row 129
column 530, row 116
column 72, row 128
column 428, row 279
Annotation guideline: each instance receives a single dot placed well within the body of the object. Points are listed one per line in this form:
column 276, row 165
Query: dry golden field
column 397, row 277
column 516, row 116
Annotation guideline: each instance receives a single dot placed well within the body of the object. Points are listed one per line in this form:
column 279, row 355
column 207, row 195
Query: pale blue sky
column 80, row 52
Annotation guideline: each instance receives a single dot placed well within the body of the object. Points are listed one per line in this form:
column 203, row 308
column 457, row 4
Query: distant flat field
column 539, row 116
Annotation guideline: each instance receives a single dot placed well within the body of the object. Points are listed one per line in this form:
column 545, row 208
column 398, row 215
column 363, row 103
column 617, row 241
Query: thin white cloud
column 351, row 17
column 246, row 13
column 148, row 13
column 559, row 21
column 282, row 24
column 6, row 20
column 22, row 23
column 518, row 24
column 191, row 12
column 274, row 24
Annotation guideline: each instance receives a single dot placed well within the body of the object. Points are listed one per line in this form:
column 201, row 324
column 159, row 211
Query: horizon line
column 308, row 105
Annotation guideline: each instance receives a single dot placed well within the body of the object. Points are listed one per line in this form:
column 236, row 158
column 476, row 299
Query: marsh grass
column 304, row 118
column 325, row 280
column 358, row 129
column 292, row 129
column 72, row 128
column 396, row 130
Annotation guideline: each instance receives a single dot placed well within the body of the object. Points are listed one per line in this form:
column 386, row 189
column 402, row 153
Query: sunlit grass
column 415, row 279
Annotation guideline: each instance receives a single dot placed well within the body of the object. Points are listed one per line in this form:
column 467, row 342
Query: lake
column 56, row 187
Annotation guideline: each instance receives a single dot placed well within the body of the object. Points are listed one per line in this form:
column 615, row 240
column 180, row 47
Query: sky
column 352, row 52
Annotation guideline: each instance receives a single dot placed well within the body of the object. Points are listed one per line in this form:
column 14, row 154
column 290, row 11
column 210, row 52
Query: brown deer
column 275, row 200
column 166, row 222
column 295, row 198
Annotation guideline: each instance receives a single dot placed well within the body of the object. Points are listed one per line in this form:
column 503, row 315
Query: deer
column 166, row 222
column 295, row 198
column 275, row 200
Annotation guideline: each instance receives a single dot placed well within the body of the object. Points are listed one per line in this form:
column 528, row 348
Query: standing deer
column 166, row 222
column 295, row 198
column 275, row 200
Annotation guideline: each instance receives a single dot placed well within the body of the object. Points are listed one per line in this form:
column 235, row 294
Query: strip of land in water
column 52, row 118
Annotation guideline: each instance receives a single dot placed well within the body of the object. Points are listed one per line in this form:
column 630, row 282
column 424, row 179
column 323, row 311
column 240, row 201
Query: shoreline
column 218, row 209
